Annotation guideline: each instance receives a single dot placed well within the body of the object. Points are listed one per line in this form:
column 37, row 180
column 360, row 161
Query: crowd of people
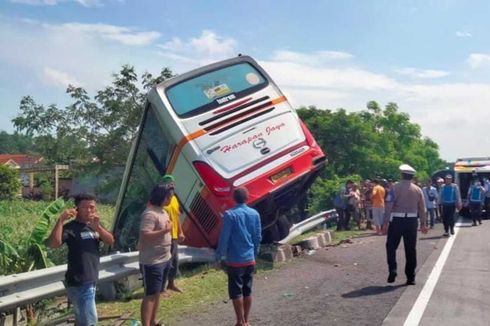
column 368, row 203
column 160, row 233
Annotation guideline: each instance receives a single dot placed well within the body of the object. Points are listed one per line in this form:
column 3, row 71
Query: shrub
column 9, row 182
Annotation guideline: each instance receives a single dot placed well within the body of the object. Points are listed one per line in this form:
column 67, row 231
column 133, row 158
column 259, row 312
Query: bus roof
column 202, row 70
column 472, row 165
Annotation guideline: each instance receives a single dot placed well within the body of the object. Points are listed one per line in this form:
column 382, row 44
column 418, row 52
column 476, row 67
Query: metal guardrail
column 25, row 288
column 308, row 224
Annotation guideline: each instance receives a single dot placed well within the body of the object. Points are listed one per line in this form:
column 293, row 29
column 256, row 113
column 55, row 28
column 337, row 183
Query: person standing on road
column 378, row 204
column 355, row 203
column 407, row 206
column 389, row 198
column 173, row 210
column 82, row 236
column 347, row 194
column 439, row 184
column 155, row 241
column 476, row 197
column 486, row 204
column 450, row 199
column 366, row 203
column 238, row 248
column 430, row 196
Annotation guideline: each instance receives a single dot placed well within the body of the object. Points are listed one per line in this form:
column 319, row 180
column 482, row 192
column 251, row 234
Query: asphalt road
column 341, row 285
column 454, row 291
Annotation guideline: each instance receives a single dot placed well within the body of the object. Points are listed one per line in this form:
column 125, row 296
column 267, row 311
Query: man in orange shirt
column 378, row 202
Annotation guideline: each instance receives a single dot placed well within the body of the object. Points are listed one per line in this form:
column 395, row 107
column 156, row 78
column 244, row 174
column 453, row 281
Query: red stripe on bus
column 245, row 114
column 234, row 105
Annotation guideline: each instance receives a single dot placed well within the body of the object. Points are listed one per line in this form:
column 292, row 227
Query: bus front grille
column 203, row 213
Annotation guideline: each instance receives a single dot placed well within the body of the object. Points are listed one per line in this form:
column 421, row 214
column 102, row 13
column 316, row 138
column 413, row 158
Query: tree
column 15, row 143
column 9, row 182
column 90, row 131
column 369, row 143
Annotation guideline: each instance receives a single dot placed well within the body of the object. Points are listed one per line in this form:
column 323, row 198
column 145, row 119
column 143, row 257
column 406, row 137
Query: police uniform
column 408, row 206
column 450, row 199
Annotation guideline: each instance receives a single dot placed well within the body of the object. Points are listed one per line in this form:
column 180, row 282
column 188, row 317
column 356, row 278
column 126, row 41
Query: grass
column 202, row 285
column 19, row 217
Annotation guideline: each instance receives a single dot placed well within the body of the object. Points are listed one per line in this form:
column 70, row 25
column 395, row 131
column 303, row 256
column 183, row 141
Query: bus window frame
column 214, row 104
column 125, row 201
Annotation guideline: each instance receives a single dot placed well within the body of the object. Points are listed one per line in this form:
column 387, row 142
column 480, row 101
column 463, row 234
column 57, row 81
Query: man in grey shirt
column 154, row 251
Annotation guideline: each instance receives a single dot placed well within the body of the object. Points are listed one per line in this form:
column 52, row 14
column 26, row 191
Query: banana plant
column 32, row 255
column 9, row 258
column 36, row 249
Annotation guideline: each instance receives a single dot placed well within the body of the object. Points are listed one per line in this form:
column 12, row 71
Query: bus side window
column 150, row 162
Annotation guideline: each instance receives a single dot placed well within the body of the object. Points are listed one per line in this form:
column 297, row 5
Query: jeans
column 432, row 214
column 83, row 299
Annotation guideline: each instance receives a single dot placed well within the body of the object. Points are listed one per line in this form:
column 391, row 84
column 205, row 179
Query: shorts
column 154, row 277
column 378, row 215
column 240, row 281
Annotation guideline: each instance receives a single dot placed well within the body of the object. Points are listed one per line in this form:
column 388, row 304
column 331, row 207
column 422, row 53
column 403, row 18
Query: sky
column 432, row 58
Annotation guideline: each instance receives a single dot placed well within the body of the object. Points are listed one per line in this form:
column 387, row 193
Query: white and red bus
column 216, row 128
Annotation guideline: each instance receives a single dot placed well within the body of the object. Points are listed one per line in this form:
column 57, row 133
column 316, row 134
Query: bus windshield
column 215, row 88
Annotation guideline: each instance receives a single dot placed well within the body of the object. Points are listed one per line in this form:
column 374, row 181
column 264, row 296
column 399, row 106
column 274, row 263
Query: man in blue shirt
column 238, row 247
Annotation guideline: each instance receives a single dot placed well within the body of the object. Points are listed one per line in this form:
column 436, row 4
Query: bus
column 216, row 128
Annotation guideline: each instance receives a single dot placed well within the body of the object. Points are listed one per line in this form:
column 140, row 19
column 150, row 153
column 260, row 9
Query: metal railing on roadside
column 25, row 288
column 309, row 223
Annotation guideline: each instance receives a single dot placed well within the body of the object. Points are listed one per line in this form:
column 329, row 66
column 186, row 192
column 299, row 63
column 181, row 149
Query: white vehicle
column 216, row 128
column 466, row 169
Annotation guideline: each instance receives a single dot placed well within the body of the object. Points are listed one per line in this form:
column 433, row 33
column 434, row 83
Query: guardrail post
column 107, row 290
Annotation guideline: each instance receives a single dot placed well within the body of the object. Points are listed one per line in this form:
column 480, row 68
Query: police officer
column 450, row 199
column 408, row 205
column 476, row 196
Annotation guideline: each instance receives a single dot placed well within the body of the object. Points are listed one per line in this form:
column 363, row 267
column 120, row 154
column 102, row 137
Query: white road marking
column 415, row 315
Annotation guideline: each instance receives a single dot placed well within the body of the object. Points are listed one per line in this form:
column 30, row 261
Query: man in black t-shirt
column 82, row 236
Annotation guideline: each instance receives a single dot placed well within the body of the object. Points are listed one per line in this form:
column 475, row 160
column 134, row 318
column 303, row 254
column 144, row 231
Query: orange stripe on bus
column 279, row 100
column 197, row 134
column 180, row 145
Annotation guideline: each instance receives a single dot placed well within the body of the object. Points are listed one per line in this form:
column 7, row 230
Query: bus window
column 150, row 161
column 212, row 89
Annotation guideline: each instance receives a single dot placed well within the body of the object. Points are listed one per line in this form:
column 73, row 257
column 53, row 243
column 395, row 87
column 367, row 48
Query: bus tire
column 283, row 227
column 271, row 234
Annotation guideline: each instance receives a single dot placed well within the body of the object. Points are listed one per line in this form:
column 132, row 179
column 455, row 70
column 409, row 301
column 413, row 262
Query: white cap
column 406, row 169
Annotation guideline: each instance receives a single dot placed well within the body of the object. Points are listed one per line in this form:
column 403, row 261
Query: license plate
column 280, row 175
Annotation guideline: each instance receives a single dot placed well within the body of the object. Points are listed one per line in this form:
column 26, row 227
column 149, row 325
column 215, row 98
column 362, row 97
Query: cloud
column 124, row 35
column 421, row 73
column 59, row 78
column 85, row 3
column 447, row 112
column 311, row 70
column 463, row 34
column 206, row 48
column 314, row 58
column 477, row 60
